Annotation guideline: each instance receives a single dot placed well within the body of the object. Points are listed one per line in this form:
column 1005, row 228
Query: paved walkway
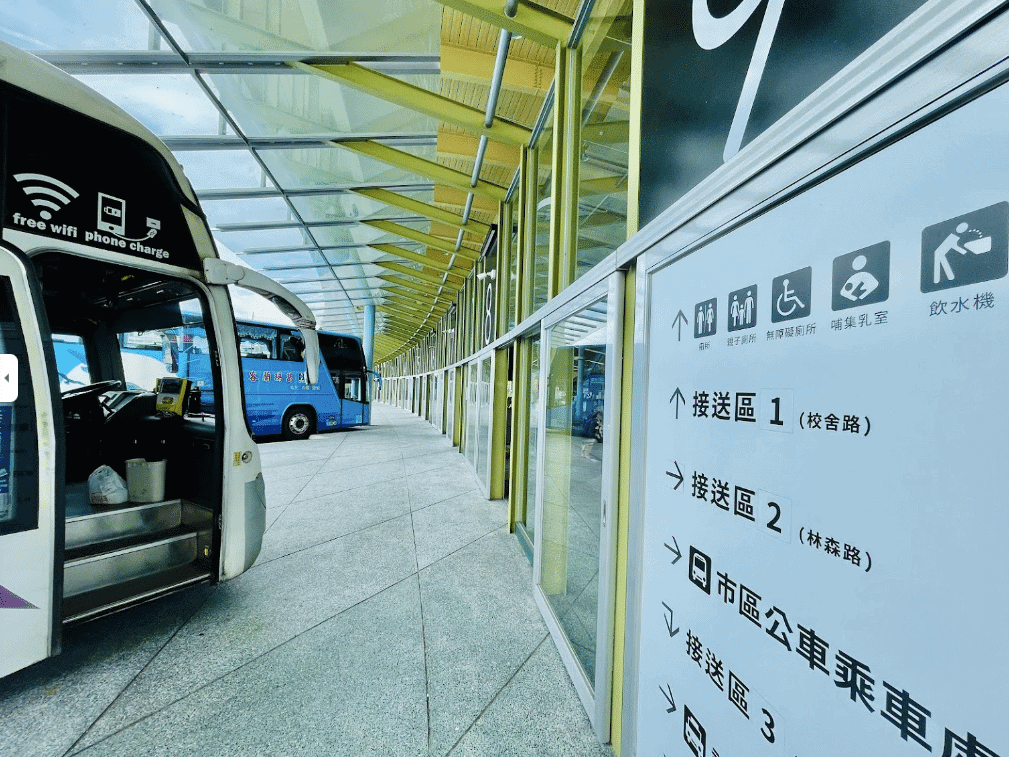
column 390, row 613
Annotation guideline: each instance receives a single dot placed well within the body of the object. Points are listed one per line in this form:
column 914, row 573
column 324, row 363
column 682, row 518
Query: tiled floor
column 390, row 613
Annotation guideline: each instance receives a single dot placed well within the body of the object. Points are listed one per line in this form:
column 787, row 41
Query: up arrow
column 678, row 396
column 678, row 321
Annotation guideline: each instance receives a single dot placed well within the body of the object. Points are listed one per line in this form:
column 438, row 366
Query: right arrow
column 675, row 549
column 668, row 694
column 678, row 396
column 678, row 321
column 678, row 475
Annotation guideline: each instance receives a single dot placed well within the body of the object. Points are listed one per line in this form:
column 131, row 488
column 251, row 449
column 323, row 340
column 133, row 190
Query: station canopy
column 332, row 143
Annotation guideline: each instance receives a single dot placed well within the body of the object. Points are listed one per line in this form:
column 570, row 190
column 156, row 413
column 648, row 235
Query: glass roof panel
column 283, row 259
column 351, row 205
column 66, row 25
column 298, row 103
column 344, row 273
column 167, row 104
column 243, row 240
column 341, row 258
column 237, row 211
column 330, row 236
column 333, row 166
column 333, row 286
column 405, row 26
column 221, row 169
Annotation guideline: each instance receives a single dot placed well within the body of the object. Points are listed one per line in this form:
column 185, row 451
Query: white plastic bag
column 106, row 487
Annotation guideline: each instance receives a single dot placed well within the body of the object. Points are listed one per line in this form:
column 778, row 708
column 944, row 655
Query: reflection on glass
column 295, row 103
column 543, row 199
column 437, row 398
column 334, row 167
column 167, row 104
column 483, row 423
column 572, row 477
column 332, row 207
column 405, row 26
column 534, row 430
column 602, row 172
column 221, row 169
column 450, row 406
column 471, row 413
column 108, row 25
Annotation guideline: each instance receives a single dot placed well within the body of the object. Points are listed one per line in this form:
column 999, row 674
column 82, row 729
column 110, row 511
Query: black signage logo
column 965, row 250
column 861, row 277
column 791, row 295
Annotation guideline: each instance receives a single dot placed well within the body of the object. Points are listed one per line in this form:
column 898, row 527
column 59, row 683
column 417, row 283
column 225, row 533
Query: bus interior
column 119, row 554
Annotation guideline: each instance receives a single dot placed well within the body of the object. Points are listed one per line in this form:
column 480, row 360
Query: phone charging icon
column 8, row 378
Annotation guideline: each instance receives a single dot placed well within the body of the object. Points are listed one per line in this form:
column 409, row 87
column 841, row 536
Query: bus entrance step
column 89, row 525
column 119, row 562
column 108, row 599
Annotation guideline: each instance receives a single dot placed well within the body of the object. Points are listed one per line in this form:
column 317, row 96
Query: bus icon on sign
column 111, row 214
column 693, row 733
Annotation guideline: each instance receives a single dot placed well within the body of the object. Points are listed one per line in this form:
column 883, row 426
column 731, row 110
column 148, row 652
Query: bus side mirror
column 222, row 272
column 312, row 359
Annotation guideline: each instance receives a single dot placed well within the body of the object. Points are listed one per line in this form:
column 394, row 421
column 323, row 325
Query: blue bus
column 278, row 400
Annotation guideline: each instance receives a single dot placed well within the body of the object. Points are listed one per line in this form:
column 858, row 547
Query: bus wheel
column 297, row 423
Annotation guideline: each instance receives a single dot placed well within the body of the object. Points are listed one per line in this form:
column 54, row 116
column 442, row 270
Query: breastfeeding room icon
column 861, row 277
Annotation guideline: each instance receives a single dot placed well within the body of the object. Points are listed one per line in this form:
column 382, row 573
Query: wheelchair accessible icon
column 790, row 295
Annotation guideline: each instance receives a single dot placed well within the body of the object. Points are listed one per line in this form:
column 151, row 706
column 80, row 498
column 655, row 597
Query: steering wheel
column 99, row 387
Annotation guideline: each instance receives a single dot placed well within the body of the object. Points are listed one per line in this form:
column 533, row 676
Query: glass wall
column 539, row 270
column 483, row 413
column 469, row 445
column 450, row 403
column 572, row 479
column 437, row 400
column 528, row 519
column 605, row 124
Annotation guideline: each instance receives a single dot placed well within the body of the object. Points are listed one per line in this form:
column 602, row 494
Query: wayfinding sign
column 825, row 508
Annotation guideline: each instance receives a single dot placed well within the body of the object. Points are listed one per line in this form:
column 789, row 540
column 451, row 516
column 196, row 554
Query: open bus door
column 31, row 529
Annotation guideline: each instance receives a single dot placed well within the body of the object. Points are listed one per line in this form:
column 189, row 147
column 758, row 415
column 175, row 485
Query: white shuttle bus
column 104, row 242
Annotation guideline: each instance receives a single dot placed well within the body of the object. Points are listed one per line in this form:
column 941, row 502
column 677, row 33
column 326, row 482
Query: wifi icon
column 45, row 192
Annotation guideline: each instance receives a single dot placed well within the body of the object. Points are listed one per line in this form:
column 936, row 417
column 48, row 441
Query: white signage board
column 826, row 513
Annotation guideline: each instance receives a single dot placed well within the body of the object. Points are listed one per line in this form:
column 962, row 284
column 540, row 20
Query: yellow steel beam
column 537, row 24
column 464, row 147
column 429, row 257
column 450, row 236
column 407, row 232
column 607, row 132
column 419, row 99
column 405, row 320
column 602, row 186
column 412, row 296
column 416, row 286
column 424, row 167
column 477, row 66
column 424, row 209
column 407, row 271
column 402, row 310
column 415, row 257
column 456, row 198
column 412, row 302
